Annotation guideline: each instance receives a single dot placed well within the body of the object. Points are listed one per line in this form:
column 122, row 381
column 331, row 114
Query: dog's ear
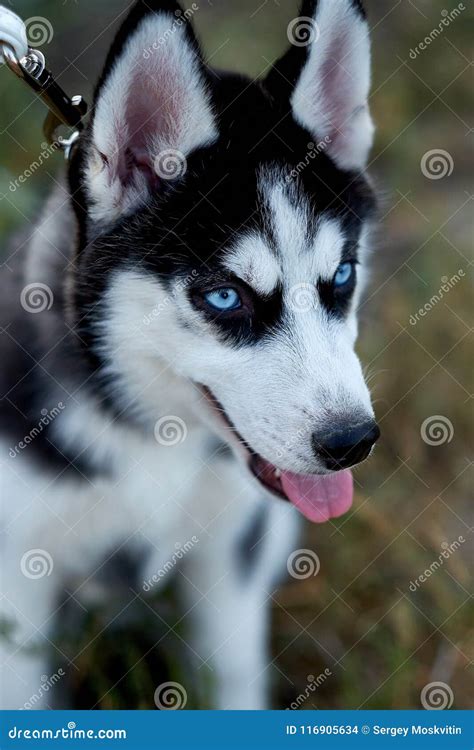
column 152, row 107
column 325, row 78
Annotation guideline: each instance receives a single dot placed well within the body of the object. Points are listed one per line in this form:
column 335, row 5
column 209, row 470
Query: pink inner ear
column 335, row 90
column 153, row 101
column 151, row 117
column 331, row 96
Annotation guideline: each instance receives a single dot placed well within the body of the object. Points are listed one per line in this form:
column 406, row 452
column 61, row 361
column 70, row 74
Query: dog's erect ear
column 152, row 107
column 326, row 78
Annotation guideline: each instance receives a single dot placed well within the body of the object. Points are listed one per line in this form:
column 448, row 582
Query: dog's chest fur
column 150, row 498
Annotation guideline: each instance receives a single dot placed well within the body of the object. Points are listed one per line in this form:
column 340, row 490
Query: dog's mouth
column 319, row 497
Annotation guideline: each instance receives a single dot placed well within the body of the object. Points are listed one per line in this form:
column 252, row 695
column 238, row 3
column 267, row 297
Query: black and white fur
column 127, row 342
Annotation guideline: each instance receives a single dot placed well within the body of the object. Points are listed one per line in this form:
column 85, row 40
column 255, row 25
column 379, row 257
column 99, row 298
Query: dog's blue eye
column 343, row 274
column 224, row 299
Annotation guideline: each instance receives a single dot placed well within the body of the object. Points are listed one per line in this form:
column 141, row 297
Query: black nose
column 346, row 446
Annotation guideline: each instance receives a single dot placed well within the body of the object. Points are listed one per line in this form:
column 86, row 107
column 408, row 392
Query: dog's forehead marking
column 309, row 248
column 302, row 248
column 289, row 218
column 326, row 251
column 253, row 260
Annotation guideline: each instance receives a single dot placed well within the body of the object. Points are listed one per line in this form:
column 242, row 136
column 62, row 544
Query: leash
column 29, row 65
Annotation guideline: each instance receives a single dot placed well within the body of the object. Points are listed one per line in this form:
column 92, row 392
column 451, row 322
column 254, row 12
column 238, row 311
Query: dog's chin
column 319, row 497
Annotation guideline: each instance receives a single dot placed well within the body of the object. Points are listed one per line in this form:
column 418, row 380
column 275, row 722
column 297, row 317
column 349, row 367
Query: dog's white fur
column 275, row 394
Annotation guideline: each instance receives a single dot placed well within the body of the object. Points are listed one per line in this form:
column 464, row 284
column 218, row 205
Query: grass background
column 358, row 618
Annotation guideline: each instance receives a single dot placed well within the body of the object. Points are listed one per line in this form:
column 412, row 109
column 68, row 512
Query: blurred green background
column 358, row 618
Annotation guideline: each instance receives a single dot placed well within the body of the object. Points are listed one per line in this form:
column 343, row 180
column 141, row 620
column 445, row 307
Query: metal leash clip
column 63, row 110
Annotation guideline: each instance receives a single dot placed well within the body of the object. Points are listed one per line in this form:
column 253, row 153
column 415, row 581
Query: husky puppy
column 178, row 366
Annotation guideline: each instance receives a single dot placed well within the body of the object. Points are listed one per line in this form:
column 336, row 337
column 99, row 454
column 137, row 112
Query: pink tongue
column 319, row 498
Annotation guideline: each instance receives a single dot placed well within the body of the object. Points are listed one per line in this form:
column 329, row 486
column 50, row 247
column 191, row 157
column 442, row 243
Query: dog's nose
column 346, row 447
